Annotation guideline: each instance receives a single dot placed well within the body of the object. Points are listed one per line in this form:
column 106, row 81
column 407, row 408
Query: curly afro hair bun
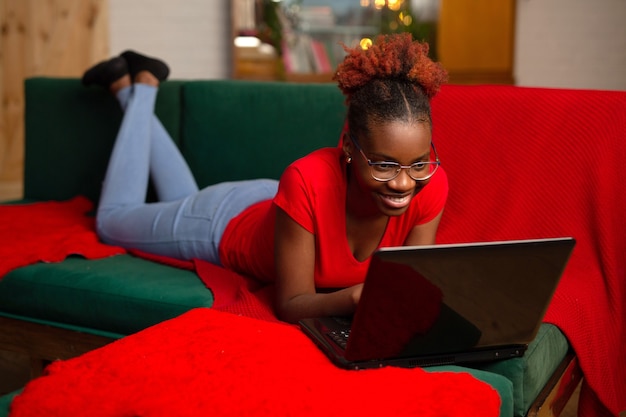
column 396, row 57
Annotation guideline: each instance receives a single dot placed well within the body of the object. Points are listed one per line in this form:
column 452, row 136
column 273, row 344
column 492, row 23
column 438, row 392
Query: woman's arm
column 424, row 234
column 296, row 297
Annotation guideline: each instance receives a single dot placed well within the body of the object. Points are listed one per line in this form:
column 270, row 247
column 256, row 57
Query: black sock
column 105, row 72
column 137, row 63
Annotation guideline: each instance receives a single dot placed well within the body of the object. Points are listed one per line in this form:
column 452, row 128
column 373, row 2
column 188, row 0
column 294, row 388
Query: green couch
column 227, row 130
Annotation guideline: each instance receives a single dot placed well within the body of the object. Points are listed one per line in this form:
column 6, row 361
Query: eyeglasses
column 387, row 170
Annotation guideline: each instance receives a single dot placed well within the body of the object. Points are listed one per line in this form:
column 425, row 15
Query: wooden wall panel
column 475, row 40
column 41, row 38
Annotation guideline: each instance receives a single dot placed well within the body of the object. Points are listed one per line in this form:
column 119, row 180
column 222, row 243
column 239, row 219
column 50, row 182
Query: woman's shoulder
column 317, row 170
column 320, row 161
column 321, row 156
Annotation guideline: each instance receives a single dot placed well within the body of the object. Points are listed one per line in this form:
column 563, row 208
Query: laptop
column 446, row 304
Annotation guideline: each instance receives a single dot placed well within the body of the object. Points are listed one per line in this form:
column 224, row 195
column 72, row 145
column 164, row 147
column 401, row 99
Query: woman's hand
column 296, row 297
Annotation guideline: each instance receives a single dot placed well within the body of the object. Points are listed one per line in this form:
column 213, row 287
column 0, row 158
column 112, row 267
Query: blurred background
column 539, row 43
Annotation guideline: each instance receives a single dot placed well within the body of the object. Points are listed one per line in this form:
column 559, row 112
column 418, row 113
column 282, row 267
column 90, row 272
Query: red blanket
column 48, row 232
column 552, row 160
column 207, row 362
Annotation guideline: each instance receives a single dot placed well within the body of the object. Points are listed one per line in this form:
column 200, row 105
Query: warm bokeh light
column 406, row 19
column 365, row 43
column 247, row 42
column 379, row 4
column 394, row 4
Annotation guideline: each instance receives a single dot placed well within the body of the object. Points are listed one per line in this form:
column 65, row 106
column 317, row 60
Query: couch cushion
column 121, row 294
column 530, row 373
column 235, row 130
column 69, row 133
column 5, row 403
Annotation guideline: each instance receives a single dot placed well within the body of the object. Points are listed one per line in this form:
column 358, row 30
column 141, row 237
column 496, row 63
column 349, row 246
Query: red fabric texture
column 207, row 362
column 552, row 160
column 48, row 232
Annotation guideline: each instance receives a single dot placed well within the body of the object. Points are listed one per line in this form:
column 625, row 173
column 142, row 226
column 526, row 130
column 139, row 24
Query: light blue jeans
column 186, row 222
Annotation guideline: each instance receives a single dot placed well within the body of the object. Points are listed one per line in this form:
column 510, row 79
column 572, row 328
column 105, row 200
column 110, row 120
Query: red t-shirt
column 312, row 191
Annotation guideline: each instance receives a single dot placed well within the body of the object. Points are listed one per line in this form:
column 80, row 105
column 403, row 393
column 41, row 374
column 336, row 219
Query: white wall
column 190, row 35
column 559, row 43
column 571, row 43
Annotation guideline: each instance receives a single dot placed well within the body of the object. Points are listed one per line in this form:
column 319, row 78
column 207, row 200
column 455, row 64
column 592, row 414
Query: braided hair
column 392, row 80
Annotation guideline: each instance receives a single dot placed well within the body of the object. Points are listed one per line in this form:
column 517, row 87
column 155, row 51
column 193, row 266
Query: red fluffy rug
column 48, row 232
column 207, row 362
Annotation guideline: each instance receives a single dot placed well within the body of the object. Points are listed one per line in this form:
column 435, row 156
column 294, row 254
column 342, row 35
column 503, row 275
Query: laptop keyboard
column 340, row 337
column 341, row 330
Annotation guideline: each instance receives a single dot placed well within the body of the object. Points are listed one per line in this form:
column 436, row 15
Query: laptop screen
column 449, row 298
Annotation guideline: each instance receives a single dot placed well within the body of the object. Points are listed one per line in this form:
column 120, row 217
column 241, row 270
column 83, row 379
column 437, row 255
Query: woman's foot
column 106, row 73
column 138, row 63
column 146, row 77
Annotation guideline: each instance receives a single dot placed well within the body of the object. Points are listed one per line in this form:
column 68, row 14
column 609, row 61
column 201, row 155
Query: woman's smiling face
column 397, row 141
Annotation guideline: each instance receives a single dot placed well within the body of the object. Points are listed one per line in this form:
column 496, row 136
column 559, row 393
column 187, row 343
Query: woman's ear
column 347, row 145
column 344, row 131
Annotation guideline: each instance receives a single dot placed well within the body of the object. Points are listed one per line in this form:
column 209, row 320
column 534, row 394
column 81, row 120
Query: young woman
column 312, row 233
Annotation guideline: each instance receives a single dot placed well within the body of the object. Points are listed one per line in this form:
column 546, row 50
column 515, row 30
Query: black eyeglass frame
column 397, row 165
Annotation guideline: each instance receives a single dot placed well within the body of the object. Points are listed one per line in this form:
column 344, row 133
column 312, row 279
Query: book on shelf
column 320, row 57
column 304, row 54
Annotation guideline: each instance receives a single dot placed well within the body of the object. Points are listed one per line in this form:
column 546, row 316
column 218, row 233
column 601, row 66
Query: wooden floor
column 14, row 374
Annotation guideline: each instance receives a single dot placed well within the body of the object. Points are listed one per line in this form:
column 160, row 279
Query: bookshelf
column 300, row 40
column 306, row 35
column 313, row 35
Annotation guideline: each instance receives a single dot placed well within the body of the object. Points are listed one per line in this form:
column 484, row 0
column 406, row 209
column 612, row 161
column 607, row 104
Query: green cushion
column 526, row 375
column 69, row 133
column 530, row 373
column 120, row 294
column 5, row 403
column 272, row 125
column 501, row 384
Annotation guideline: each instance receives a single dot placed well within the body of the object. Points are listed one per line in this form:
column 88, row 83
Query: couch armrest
column 558, row 390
